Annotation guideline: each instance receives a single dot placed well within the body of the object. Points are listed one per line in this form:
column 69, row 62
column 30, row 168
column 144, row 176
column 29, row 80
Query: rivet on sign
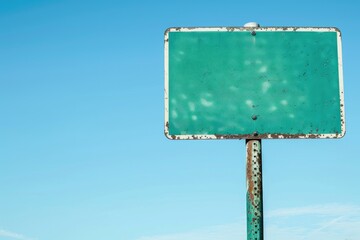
column 254, row 117
column 253, row 33
column 255, row 134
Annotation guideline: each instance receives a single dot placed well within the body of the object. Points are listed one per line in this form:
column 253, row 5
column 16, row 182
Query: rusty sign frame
column 254, row 135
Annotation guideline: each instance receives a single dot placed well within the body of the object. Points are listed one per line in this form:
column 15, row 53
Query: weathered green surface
column 236, row 83
column 255, row 227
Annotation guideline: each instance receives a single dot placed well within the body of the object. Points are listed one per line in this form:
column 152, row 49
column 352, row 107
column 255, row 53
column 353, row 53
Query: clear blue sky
column 82, row 149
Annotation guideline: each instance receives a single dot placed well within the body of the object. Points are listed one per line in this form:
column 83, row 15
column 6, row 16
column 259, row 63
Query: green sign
column 258, row 83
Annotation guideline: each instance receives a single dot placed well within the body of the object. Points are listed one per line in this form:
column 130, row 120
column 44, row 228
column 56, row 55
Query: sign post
column 253, row 83
column 254, row 196
column 254, row 193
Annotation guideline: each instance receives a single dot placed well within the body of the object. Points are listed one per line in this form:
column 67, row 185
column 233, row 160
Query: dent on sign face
column 277, row 83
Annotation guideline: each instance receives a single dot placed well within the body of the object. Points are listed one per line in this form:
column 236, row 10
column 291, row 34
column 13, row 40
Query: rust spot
column 249, row 172
column 230, row 29
column 254, row 174
column 236, row 136
column 174, row 137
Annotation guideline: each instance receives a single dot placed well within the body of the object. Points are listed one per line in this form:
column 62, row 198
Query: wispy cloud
column 13, row 235
column 319, row 222
column 320, row 210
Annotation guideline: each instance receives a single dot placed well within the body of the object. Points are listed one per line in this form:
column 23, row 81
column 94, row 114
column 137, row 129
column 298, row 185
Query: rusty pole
column 254, row 197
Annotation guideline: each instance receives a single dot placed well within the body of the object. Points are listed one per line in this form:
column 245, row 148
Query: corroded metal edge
column 263, row 135
column 251, row 136
column 341, row 84
column 242, row 29
column 166, row 87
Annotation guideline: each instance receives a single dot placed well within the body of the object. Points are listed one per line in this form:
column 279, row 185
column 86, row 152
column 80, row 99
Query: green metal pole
column 254, row 197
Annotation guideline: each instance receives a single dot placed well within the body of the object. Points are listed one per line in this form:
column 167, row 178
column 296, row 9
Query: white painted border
column 257, row 29
column 341, row 84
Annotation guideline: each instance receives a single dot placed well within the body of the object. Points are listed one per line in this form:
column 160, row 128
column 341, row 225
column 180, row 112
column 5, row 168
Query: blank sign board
column 258, row 83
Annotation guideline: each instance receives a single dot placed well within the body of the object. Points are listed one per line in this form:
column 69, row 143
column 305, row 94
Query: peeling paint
column 255, row 135
column 231, row 29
